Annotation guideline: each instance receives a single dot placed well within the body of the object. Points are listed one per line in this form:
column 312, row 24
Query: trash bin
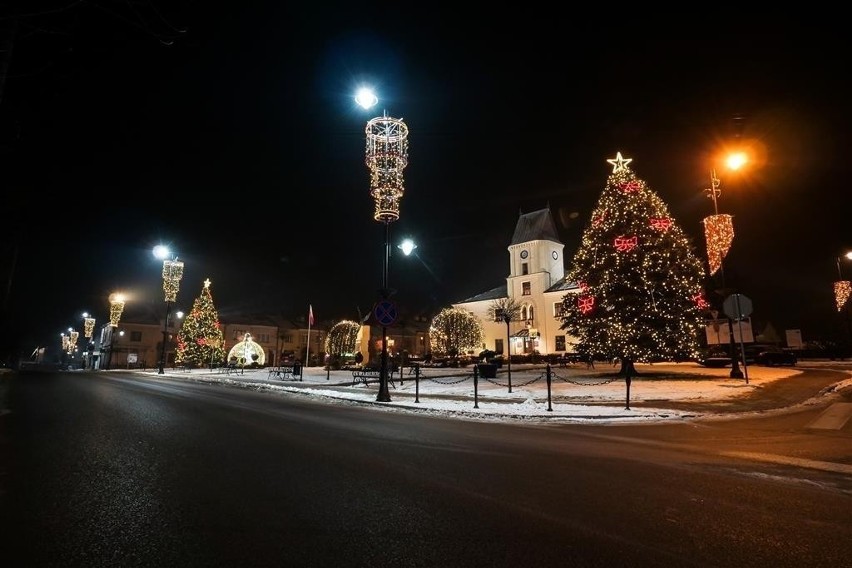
column 488, row 370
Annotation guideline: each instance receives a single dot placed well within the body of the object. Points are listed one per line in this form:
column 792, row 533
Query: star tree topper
column 619, row 163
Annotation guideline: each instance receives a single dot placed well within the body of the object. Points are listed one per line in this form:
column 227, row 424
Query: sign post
column 737, row 307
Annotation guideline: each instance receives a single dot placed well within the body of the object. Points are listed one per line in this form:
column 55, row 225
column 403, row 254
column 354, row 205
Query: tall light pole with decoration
column 88, row 333
column 172, row 274
column 842, row 292
column 719, row 234
column 116, row 308
column 386, row 157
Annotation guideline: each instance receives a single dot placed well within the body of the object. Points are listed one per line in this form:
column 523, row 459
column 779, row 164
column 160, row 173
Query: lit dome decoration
column 247, row 352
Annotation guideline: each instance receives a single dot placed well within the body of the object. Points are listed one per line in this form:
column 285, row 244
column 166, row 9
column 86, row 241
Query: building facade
column 537, row 282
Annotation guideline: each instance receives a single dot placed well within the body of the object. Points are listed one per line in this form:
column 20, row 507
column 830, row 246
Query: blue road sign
column 385, row 312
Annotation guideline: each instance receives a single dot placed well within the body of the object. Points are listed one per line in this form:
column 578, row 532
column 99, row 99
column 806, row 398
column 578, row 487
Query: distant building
column 537, row 282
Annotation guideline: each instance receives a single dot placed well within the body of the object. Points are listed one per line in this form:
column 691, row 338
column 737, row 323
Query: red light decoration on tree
column 701, row 301
column 661, row 223
column 625, row 244
column 598, row 219
column 630, row 186
column 586, row 304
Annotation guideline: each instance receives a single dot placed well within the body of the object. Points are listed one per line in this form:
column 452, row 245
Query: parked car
column 773, row 357
column 714, row 358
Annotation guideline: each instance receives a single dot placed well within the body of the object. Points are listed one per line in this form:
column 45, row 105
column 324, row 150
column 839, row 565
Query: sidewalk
column 660, row 392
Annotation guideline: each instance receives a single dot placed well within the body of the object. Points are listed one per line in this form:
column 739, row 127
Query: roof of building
column 562, row 285
column 535, row 226
column 493, row 294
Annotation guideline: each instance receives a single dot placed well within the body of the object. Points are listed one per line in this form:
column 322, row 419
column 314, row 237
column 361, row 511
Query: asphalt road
column 112, row 469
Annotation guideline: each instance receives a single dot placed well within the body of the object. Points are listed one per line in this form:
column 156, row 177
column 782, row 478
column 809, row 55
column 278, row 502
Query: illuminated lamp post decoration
column 73, row 336
column 88, row 333
column 842, row 292
column 386, row 157
column 116, row 308
column 719, row 234
column 172, row 274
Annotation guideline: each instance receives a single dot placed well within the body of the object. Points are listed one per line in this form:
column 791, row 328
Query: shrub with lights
column 342, row 341
column 454, row 331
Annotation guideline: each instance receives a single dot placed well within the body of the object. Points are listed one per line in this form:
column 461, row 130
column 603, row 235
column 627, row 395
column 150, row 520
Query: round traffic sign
column 737, row 306
column 385, row 312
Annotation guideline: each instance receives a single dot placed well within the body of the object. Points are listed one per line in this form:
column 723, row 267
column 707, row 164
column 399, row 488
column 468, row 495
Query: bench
column 369, row 375
column 231, row 369
column 283, row 372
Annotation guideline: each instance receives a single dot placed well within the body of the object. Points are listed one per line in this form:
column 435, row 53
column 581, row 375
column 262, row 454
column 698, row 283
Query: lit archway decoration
column 719, row 234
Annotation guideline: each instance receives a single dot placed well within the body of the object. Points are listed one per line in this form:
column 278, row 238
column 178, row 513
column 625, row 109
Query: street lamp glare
column 736, row 160
column 161, row 251
column 848, row 255
column 407, row 247
column 366, row 98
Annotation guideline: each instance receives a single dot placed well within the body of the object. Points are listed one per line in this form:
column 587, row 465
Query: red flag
column 310, row 315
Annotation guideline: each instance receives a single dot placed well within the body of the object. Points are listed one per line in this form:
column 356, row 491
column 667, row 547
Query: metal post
column 714, row 192
column 417, row 383
column 549, row 383
column 508, row 351
column 161, row 370
column 476, row 386
column 384, row 394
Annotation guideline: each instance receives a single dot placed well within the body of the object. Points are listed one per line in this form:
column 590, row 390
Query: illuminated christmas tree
column 640, row 298
column 200, row 341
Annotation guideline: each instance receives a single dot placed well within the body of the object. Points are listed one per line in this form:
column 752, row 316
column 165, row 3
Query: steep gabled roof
column 535, row 226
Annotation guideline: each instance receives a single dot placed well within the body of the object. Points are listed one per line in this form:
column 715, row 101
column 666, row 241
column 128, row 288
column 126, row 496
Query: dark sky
column 232, row 135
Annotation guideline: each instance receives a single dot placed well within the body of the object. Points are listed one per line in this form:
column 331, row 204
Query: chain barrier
column 583, row 384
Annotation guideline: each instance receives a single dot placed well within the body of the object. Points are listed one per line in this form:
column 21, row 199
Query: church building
column 536, row 281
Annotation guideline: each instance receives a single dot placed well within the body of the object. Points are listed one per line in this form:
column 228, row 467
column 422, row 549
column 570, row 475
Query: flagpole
column 308, row 346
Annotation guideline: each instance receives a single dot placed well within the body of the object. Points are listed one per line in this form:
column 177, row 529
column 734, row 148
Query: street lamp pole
column 116, row 307
column 842, row 292
column 172, row 274
column 386, row 157
column 714, row 192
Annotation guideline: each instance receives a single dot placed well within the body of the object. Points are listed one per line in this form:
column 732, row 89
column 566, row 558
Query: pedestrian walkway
column 659, row 392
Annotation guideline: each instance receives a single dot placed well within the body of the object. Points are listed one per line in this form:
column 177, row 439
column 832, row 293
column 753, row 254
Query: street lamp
column 386, row 157
column 842, row 291
column 719, row 233
column 172, row 273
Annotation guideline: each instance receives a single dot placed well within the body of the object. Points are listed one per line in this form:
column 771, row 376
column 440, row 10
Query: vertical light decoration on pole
column 719, row 234
column 387, row 156
column 116, row 308
column 88, row 333
column 172, row 274
column 842, row 292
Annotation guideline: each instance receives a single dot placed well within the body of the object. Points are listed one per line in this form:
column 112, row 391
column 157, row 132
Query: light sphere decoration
column 387, row 156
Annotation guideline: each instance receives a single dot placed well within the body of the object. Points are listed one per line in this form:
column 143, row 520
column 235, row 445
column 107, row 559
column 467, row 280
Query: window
column 135, row 336
column 262, row 338
column 560, row 343
column 238, row 334
column 525, row 268
column 531, row 314
column 498, row 346
column 287, row 338
column 558, row 309
column 526, row 288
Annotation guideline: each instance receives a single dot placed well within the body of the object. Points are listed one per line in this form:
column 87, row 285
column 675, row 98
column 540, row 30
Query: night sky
column 232, row 136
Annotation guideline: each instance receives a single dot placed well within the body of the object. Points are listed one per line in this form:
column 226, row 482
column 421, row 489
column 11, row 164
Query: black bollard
column 549, row 382
column 476, row 386
column 417, row 383
column 627, row 379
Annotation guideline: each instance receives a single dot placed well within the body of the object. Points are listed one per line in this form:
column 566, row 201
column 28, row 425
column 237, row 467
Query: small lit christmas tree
column 200, row 340
column 640, row 281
